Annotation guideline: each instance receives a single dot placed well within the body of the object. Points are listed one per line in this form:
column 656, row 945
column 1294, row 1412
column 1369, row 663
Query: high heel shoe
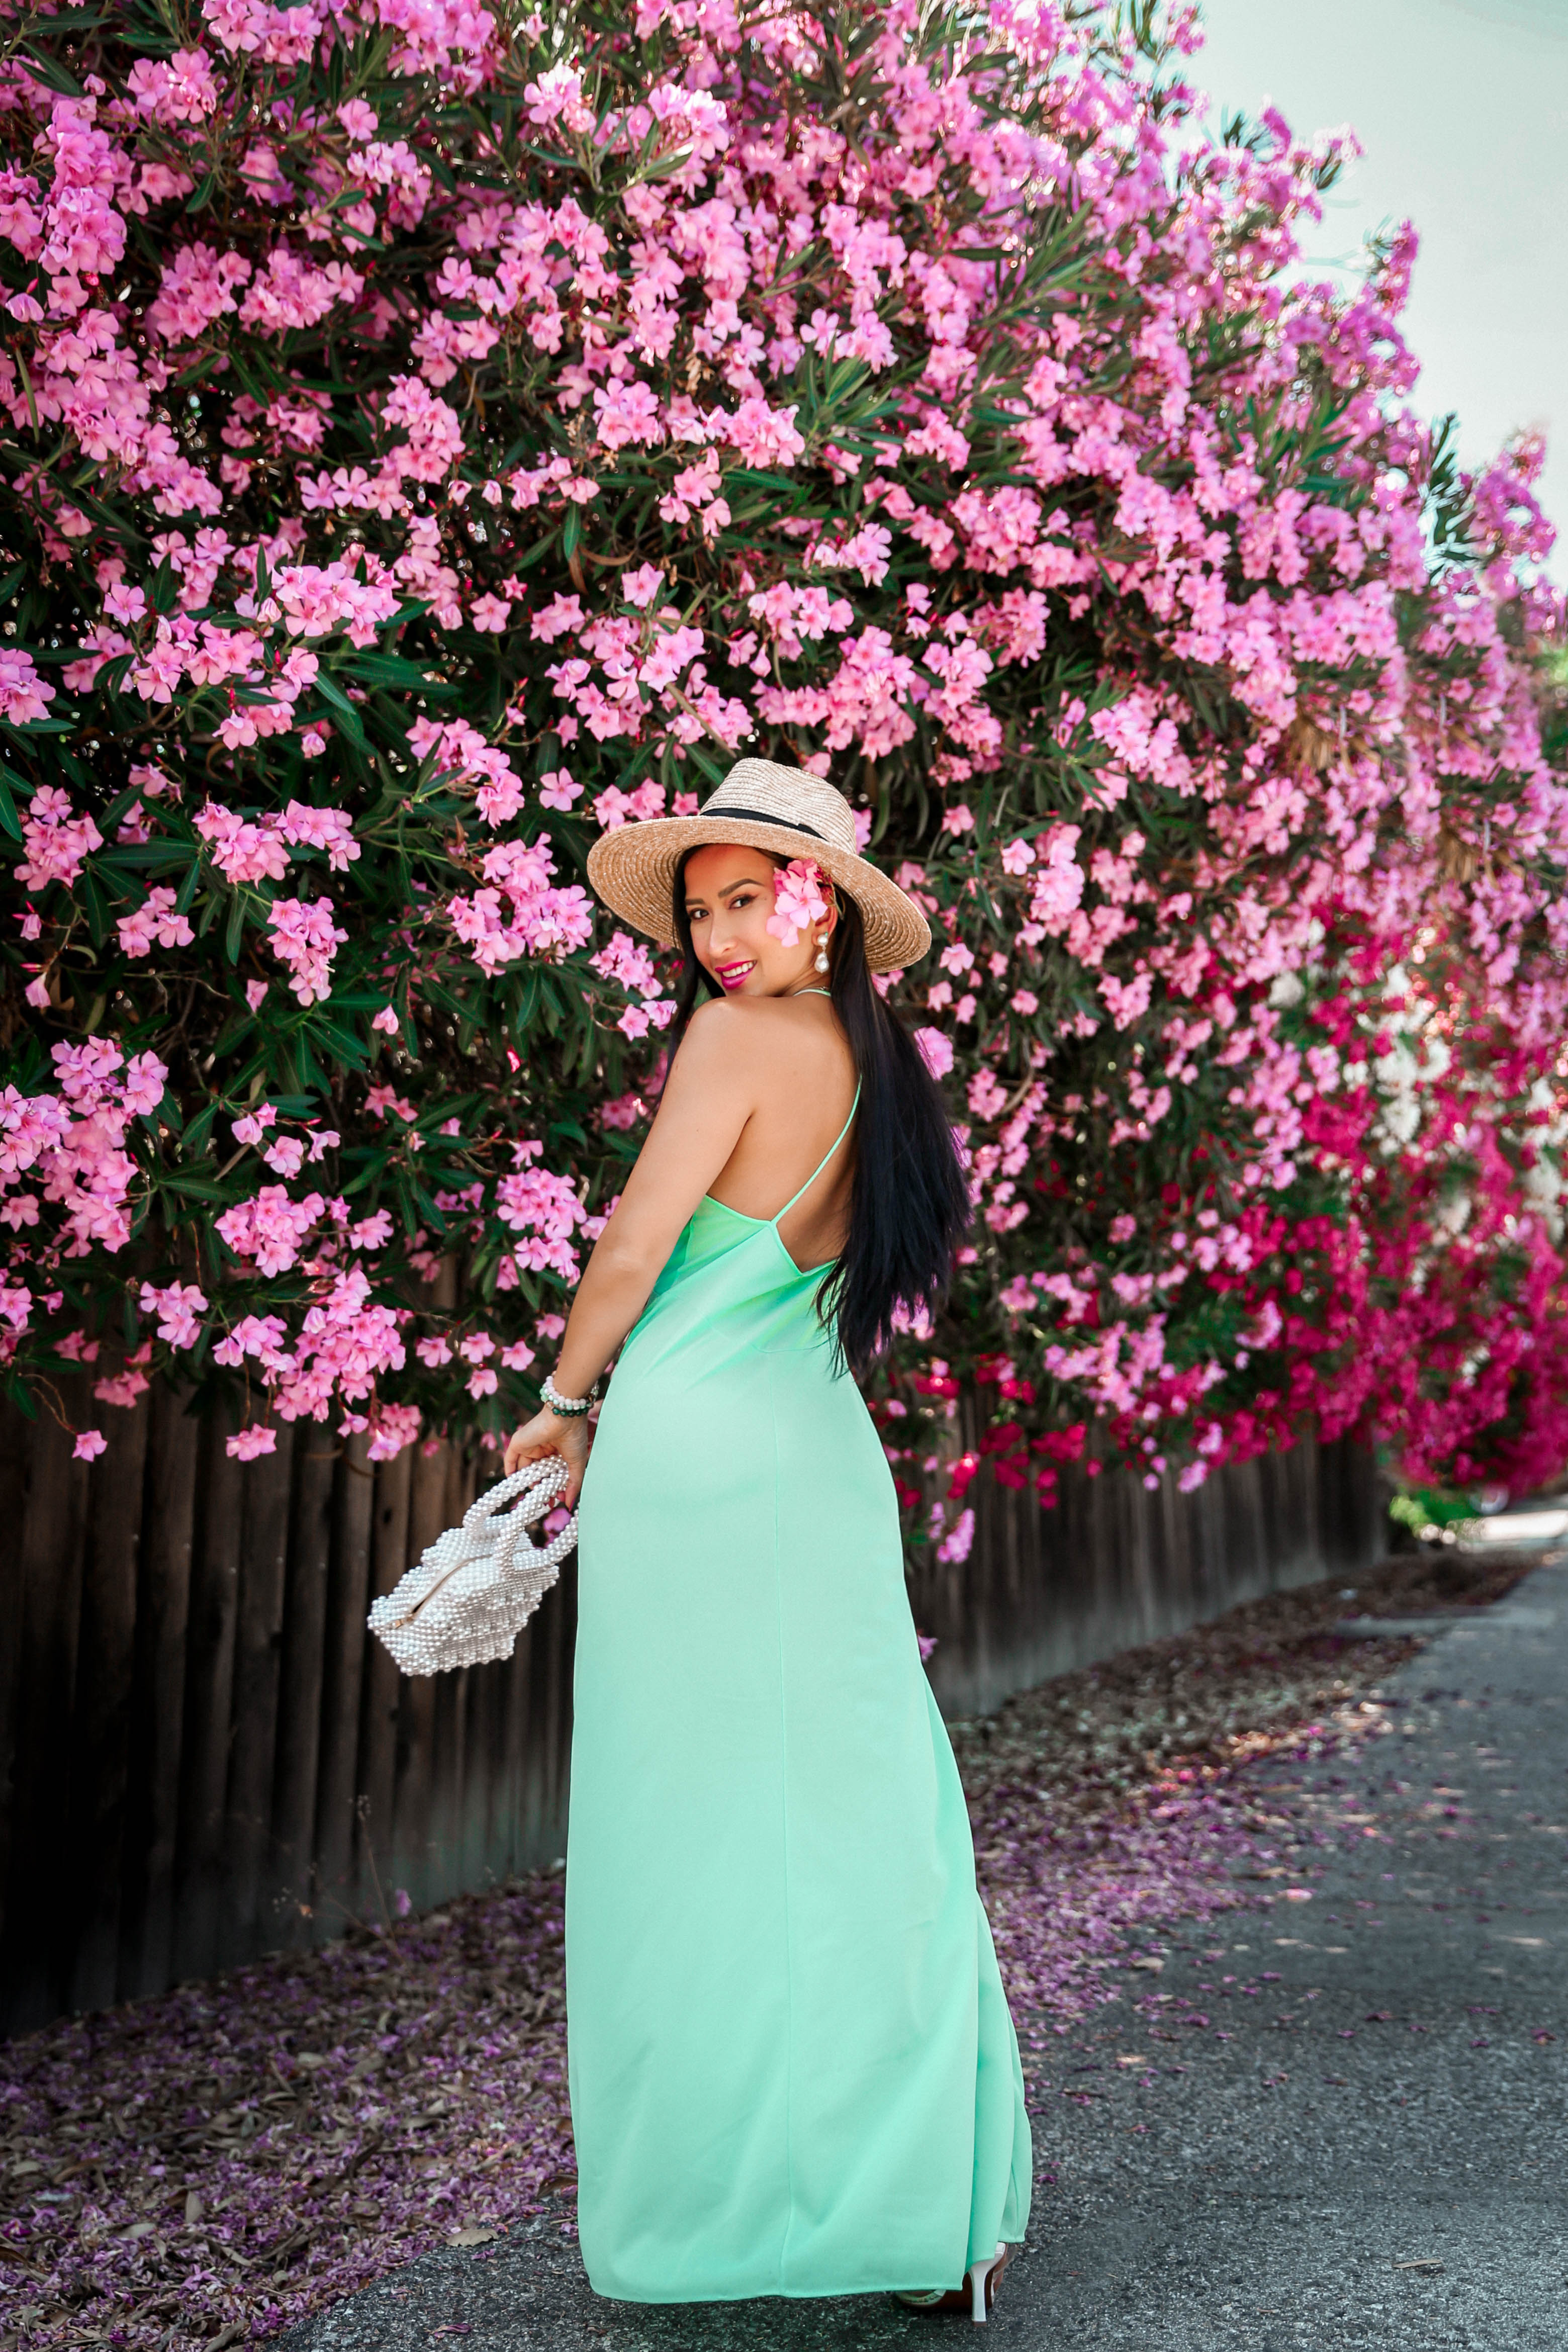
column 979, row 2291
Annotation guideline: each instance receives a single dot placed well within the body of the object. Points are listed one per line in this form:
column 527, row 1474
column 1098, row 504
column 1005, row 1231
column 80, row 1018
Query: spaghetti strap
column 824, row 1159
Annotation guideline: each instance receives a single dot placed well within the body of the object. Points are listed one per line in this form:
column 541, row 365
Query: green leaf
column 49, row 68
column 377, row 669
column 94, row 904
column 197, row 1188
column 703, row 757
column 353, row 726
column 350, row 1049
column 197, row 1131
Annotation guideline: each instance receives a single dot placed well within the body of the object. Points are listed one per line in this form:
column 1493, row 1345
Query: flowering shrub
column 434, row 435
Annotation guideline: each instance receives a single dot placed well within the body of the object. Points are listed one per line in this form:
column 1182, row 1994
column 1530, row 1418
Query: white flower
column 1398, row 1072
column 1542, row 1183
column 1454, row 1216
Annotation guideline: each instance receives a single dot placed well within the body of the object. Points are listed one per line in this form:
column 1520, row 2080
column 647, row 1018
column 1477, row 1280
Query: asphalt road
column 1328, row 2123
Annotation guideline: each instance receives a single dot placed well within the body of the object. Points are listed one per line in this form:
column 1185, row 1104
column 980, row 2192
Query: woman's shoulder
column 764, row 1033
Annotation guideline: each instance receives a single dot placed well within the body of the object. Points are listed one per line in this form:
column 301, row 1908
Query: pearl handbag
column 477, row 1585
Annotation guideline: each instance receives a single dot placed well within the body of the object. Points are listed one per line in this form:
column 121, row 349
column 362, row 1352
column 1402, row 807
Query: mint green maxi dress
column 792, row 2068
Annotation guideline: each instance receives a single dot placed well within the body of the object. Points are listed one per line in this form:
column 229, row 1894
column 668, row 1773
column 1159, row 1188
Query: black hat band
column 761, row 817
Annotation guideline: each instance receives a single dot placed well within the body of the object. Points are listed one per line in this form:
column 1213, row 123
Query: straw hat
column 766, row 807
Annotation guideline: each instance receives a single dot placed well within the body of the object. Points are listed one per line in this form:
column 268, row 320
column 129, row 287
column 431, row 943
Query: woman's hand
column 553, row 1433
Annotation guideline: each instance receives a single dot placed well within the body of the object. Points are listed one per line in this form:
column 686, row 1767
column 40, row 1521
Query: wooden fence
column 1116, row 1563
column 203, row 1757
column 202, row 1754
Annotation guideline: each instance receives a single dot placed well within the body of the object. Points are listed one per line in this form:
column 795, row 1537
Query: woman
column 791, row 2064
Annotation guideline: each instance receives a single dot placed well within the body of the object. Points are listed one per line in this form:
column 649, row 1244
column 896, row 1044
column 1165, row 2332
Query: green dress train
column 792, row 2068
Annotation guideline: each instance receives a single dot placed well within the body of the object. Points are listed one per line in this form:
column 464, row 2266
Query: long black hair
column 909, row 1205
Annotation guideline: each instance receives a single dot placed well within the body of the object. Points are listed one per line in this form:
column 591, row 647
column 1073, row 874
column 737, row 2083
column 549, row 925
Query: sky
column 1462, row 108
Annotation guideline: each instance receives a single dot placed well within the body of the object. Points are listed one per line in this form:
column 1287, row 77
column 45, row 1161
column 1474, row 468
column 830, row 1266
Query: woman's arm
column 710, row 1094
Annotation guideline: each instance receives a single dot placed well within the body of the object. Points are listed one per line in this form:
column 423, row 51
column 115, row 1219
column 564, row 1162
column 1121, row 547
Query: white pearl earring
column 821, row 955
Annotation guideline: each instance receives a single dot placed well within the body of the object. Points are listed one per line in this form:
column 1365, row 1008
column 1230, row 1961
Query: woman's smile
column 735, row 975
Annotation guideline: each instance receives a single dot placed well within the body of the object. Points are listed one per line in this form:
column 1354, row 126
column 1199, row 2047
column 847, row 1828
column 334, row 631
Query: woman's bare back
column 806, row 1086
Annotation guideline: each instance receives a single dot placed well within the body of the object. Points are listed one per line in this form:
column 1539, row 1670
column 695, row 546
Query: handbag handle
column 548, row 1475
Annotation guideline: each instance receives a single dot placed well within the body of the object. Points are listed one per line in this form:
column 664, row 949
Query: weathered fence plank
column 247, row 1923
column 382, row 1694
column 413, row 1794
column 15, row 1462
column 199, row 1858
column 302, row 1676
column 343, row 1672
column 100, row 1713
column 158, row 1726
column 203, row 1756
column 45, row 1591
column 452, row 1699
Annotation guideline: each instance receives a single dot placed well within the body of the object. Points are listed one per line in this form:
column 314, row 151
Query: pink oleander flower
column 393, row 1427
column 179, row 1309
column 156, row 920
column 629, row 961
column 798, row 899
column 270, row 1227
column 178, row 88
column 958, row 1544
column 557, row 98
column 641, row 587
column 56, row 841
column 242, row 850
column 379, row 1100
column 305, row 937
column 317, row 828
column 937, row 1050
column 286, row 1156
column 249, row 1443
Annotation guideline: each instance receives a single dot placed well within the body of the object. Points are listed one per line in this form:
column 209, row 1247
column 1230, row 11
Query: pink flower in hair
column 797, row 899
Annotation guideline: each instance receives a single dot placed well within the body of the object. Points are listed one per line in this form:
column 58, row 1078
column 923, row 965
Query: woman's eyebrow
column 727, row 888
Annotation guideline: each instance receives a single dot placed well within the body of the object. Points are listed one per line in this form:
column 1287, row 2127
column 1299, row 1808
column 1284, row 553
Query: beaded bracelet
column 567, row 1408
